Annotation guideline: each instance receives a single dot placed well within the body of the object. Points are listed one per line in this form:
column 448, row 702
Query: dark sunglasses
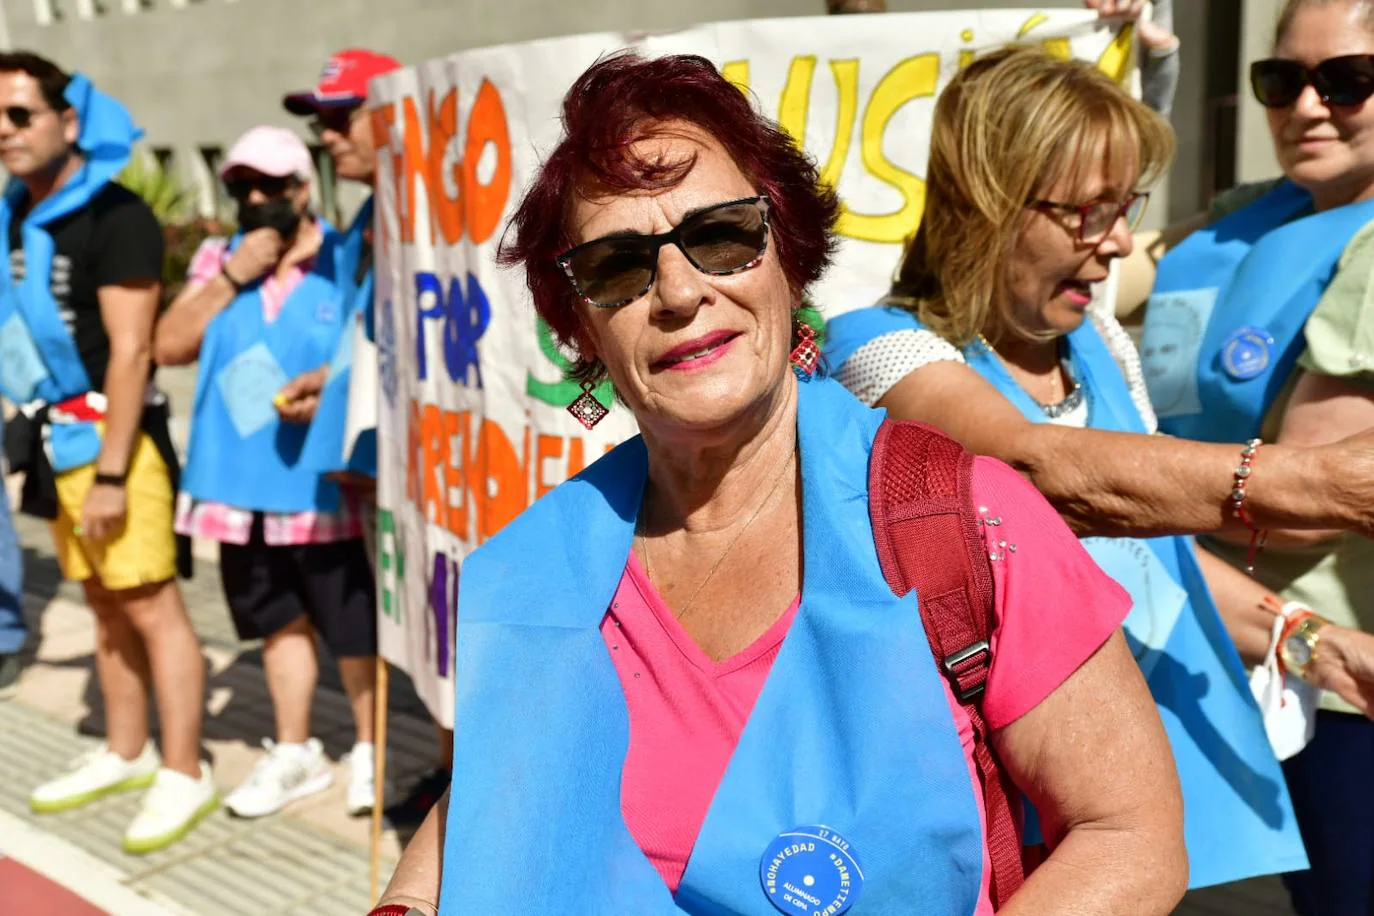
column 20, row 116
column 1348, row 80
column 1095, row 220
column 616, row 270
column 339, row 120
column 269, row 185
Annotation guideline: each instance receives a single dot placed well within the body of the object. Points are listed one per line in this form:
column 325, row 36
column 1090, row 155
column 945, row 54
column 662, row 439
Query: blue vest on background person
column 324, row 444
column 1224, row 325
column 1238, row 818
column 241, row 453
column 39, row 360
column 851, row 731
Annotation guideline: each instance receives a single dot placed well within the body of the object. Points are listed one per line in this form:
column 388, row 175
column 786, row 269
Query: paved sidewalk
column 310, row 859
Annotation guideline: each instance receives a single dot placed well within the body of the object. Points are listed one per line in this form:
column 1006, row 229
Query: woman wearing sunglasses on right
column 1257, row 329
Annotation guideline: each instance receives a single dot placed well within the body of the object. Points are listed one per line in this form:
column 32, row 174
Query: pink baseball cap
column 273, row 151
column 342, row 82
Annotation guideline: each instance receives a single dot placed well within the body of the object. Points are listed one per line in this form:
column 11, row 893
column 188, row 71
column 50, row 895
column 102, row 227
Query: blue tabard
column 1238, row 819
column 39, row 360
column 1224, row 325
column 324, row 443
column 240, row 452
column 852, row 729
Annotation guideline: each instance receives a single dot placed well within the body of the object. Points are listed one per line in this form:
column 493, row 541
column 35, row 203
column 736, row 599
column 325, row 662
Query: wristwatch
column 1298, row 646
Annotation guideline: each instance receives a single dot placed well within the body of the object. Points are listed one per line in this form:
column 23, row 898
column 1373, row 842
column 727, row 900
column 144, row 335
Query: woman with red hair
column 684, row 681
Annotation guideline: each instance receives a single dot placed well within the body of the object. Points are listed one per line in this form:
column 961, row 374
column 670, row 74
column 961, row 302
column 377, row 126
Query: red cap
column 342, row 82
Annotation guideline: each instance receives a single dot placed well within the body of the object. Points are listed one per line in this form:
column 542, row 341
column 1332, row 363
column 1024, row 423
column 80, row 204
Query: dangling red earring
column 586, row 408
column 805, row 355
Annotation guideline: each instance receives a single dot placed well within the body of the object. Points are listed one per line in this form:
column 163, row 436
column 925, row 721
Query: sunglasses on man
column 269, row 185
column 22, row 117
column 723, row 239
column 1348, row 80
column 339, row 119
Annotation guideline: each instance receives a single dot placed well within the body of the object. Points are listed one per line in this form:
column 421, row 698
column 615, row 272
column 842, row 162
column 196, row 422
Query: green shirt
column 1340, row 333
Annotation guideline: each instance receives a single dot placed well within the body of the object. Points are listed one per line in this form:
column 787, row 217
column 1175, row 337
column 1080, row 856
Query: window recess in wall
column 46, row 12
column 326, row 196
column 166, row 158
column 212, row 200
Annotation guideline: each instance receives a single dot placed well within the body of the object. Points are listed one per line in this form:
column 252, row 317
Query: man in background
column 77, row 307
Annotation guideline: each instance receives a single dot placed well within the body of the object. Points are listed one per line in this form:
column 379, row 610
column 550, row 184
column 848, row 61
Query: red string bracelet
column 1239, row 482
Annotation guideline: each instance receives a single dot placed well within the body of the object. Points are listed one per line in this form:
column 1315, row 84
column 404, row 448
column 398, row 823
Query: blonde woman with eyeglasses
column 1039, row 172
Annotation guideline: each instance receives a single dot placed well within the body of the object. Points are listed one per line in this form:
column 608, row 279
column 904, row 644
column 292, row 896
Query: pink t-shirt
column 687, row 711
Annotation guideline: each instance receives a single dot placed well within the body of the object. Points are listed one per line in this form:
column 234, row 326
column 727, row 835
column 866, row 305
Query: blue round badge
column 811, row 871
column 1246, row 353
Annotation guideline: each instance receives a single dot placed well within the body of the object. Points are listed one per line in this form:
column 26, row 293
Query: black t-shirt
column 114, row 239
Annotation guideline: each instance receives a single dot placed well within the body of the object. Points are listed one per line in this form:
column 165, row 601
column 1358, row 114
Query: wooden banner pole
column 379, row 730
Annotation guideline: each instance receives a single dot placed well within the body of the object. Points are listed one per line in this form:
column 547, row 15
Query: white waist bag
column 1287, row 702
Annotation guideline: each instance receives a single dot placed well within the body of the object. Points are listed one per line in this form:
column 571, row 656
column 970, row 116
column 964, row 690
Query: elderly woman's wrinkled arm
column 415, row 882
column 1323, row 409
column 1094, row 760
column 1120, row 484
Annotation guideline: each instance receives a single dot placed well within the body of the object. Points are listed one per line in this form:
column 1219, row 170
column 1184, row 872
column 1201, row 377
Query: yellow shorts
column 144, row 552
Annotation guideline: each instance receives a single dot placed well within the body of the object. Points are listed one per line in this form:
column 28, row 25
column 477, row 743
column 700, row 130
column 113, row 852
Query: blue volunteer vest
column 1238, row 819
column 240, row 452
column 324, row 444
column 1224, row 325
column 852, row 729
column 39, row 360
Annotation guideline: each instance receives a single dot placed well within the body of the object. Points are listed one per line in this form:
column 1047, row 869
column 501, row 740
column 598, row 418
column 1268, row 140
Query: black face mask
column 277, row 213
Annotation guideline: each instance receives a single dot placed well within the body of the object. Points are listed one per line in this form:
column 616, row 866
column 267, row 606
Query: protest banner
column 471, row 419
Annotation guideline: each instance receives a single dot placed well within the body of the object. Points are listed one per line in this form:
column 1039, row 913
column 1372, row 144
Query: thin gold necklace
column 644, row 543
column 1057, row 395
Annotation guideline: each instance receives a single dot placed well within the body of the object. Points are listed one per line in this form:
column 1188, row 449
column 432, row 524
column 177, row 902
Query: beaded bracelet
column 1238, row 496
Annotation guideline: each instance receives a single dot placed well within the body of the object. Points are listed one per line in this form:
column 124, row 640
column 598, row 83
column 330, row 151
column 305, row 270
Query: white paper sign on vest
column 471, row 419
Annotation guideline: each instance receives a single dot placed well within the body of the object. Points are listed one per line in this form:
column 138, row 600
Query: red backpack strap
column 927, row 534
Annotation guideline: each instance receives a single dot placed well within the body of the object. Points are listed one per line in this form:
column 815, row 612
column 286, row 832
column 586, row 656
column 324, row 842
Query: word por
column 465, row 317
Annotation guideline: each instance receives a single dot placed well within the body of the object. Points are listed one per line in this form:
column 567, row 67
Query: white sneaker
column 95, row 774
column 362, row 787
column 286, row 773
column 174, row 805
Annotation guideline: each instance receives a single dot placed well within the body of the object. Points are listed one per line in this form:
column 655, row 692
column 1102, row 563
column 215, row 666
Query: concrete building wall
column 1255, row 159
column 197, row 73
